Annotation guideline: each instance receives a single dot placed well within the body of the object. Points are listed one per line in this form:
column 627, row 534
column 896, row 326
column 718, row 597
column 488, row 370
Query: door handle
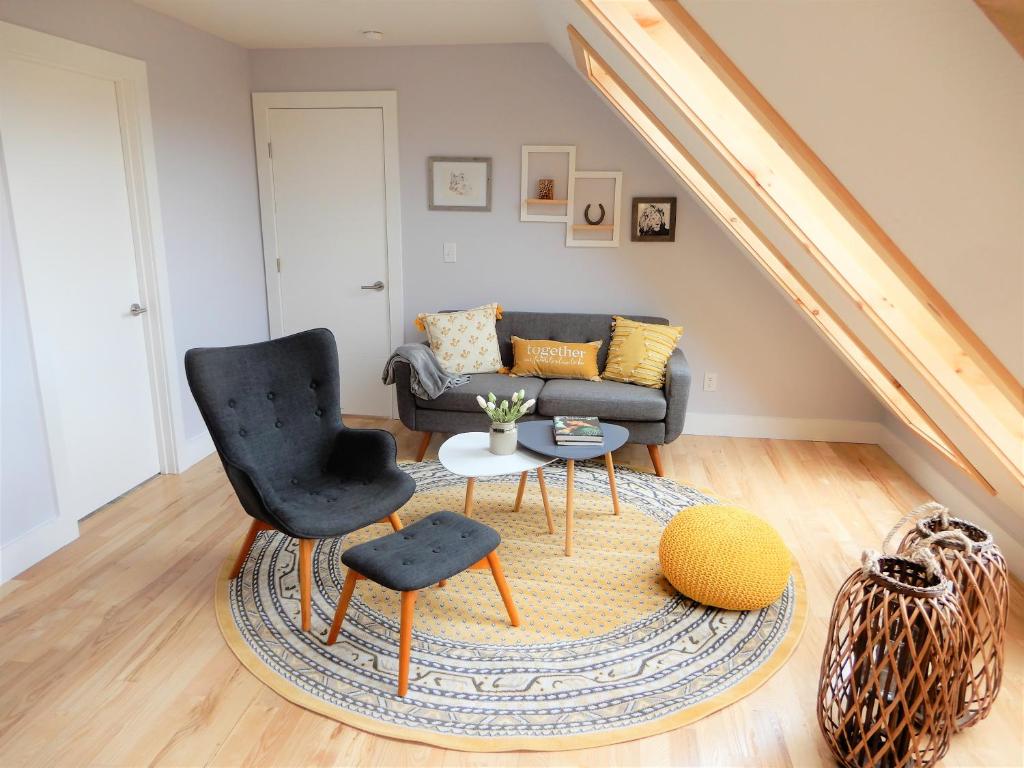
column 136, row 310
column 378, row 286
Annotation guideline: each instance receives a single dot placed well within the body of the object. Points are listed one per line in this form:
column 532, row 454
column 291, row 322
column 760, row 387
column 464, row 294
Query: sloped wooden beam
column 1008, row 18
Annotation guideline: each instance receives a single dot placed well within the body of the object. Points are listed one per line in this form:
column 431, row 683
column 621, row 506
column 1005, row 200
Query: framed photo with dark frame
column 654, row 220
column 459, row 183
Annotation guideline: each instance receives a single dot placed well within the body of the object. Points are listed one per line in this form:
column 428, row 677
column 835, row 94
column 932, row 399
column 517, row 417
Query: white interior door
column 63, row 153
column 330, row 218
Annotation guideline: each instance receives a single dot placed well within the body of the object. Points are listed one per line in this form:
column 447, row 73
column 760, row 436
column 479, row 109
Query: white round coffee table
column 469, row 455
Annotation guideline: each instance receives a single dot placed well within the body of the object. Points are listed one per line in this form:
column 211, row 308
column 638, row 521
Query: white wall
column 490, row 100
column 202, row 126
column 202, row 121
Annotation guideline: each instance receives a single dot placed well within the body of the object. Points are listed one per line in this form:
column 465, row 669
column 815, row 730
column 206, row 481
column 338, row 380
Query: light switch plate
column 449, row 253
column 710, row 382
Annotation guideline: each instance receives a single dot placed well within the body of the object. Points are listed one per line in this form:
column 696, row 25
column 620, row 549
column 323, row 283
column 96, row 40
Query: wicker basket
column 976, row 567
column 894, row 655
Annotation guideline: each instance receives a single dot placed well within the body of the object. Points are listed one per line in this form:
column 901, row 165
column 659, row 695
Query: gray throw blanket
column 428, row 379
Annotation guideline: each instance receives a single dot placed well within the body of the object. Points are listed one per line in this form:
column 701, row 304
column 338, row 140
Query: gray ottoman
column 429, row 551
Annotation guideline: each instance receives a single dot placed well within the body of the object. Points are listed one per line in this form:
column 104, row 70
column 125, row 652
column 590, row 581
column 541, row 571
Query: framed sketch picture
column 654, row 220
column 459, row 183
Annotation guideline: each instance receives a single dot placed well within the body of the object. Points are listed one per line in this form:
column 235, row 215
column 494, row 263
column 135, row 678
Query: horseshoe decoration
column 586, row 215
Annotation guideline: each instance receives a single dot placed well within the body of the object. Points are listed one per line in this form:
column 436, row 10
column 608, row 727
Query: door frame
column 130, row 80
column 387, row 102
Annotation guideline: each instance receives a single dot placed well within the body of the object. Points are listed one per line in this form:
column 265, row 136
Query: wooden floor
column 110, row 653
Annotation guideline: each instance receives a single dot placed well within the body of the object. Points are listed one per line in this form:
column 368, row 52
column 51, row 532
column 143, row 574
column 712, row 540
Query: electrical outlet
column 710, row 381
column 449, row 253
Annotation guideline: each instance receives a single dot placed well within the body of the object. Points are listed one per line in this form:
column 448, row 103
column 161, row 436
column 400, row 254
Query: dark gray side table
column 538, row 436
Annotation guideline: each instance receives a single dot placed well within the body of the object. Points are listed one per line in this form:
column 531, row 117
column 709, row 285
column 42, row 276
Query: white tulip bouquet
column 507, row 412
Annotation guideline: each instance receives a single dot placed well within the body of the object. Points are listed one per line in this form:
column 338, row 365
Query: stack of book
column 578, row 430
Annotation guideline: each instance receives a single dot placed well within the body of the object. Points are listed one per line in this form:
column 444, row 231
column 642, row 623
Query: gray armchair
column 274, row 412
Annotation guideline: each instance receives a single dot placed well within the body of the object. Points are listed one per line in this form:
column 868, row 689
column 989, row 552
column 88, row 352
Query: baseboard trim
column 35, row 544
column 782, row 428
column 195, row 449
column 944, row 492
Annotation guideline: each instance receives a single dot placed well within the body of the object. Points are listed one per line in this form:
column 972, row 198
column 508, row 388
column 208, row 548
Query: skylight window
column 707, row 89
column 654, row 132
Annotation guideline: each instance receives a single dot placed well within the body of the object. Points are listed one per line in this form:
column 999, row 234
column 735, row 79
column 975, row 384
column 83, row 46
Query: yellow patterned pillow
column 555, row 359
column 464, row 342
column 639, row 352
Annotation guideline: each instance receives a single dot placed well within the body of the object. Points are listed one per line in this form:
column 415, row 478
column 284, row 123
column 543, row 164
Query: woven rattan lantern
column 892, row 662
column 973, row 563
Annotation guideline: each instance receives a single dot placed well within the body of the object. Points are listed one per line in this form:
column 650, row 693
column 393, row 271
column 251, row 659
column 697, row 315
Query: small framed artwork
column 459, row 183
column 654, row 220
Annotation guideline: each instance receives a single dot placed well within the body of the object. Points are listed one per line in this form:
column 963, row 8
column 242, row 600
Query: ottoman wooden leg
column 611, row 481
column 405, row 641
column 467, row 509
column 570, row 492
column 343, row 601
column 544, row 496
column 520, row 492
column 506, row 593
column 395, row 520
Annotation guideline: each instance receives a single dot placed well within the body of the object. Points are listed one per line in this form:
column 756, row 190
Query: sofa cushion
column 464, row 398
column 604, row 399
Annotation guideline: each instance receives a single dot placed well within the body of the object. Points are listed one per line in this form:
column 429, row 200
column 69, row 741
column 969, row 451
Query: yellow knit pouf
column 725, row 557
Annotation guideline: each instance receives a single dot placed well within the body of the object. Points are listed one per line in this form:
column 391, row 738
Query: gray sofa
column 653, row 417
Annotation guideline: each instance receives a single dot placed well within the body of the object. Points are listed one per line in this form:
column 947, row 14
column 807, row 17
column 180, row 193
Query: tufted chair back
column 272, row 408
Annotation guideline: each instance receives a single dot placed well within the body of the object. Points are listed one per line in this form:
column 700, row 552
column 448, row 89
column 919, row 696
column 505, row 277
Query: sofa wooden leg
column 424, row 444
column 655, row 452
column 405, row 641
column 250, row 537
column 306, row 580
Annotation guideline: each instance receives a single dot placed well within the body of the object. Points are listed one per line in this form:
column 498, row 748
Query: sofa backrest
column 560, row 326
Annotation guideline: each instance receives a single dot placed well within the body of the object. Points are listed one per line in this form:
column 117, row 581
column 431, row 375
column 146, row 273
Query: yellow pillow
column 464, row 342
column 555, row 359
column 639, row 352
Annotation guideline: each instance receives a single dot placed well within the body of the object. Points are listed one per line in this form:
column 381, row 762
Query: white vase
column 504, row 438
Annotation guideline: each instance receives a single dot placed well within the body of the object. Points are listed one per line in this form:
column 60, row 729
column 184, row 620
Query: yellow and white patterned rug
column 607, row 650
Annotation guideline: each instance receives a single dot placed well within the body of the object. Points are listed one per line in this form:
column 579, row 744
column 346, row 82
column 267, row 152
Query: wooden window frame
column 668, row 147
column 671, row 49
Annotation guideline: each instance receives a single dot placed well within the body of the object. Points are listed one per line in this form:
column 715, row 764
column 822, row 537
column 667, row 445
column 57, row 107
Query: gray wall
column 489, row 101
column 202, row 121
column 202, row 126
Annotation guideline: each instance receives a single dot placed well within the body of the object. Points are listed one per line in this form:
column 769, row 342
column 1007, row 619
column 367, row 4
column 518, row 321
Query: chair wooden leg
column 250, row 537
column 467, row 509
column 395, row 520
column 506, row 593
column 570, row 493
column 611, row 481
column 544, row 496
column 305, row 579
column 655, row 452
column 346, row 596
column 424, row 445
column 520, row 492
column 405, row 641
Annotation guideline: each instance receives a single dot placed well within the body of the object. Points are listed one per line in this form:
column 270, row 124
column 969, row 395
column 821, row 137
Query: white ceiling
column 337, row 23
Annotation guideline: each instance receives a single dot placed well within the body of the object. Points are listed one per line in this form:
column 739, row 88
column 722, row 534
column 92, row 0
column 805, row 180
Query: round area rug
column 607, row 650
